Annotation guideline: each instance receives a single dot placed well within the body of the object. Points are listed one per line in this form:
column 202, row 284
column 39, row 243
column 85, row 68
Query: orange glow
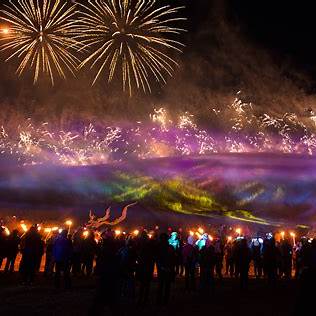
column 6, row 230
column 238, row 231
column 201, row 230
column 24, row 227
column 5, row 30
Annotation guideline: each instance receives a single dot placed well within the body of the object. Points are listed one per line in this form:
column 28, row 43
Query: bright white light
column 24, row 227
column 6, row 230
column 5, row 30
column 201, row 230
column 238, row 231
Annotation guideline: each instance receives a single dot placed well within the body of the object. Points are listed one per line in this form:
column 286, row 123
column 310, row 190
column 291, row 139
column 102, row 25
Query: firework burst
column 39, row 35
column 131, row 39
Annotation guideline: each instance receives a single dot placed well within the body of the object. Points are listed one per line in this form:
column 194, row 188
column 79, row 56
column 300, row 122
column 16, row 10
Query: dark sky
column 287, row 28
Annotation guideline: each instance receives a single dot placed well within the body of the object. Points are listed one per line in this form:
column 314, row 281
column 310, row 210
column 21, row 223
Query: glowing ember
column 238, row 231
column 201, row 230
column 24, row 227
column 5, row 31
column 85, row 234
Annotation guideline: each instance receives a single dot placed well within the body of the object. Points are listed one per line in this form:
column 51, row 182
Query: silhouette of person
column 286, row 258
column 270, row 260
column 207, row 262
column 229, row 259
column 243, row 257
column 89, row 248
column 256, row 253
column 32, row 250
column 2, row 245
column 190, row 259
column 13, row 242
column 305, row 303
column 62, row 253
column 107, row 271
column 219, row 255
column 145, row 266
column 176, row 243
column 76, row 259
column 128, row 258
column 49, row 260
column 165, row 268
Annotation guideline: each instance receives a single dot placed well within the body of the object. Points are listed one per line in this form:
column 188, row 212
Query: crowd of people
column 124, row 262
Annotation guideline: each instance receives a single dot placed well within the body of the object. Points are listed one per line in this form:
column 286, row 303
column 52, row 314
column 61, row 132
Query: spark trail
column 133, row 39
column 40, row 37
column 160, row 136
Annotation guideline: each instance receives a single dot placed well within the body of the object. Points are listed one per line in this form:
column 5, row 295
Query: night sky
column 230, row 43
column 286, row 28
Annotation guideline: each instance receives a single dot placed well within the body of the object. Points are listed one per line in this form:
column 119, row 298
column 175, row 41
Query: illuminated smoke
column 160, row 136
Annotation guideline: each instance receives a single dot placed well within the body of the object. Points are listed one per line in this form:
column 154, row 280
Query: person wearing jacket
column 13, row 243
column 62, row 254
column 165, row 261
column 32, row 250
column 190, row 259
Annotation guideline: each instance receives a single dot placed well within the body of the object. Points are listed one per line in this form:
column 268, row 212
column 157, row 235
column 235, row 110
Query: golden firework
column 131, row 39
column 39, row 35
